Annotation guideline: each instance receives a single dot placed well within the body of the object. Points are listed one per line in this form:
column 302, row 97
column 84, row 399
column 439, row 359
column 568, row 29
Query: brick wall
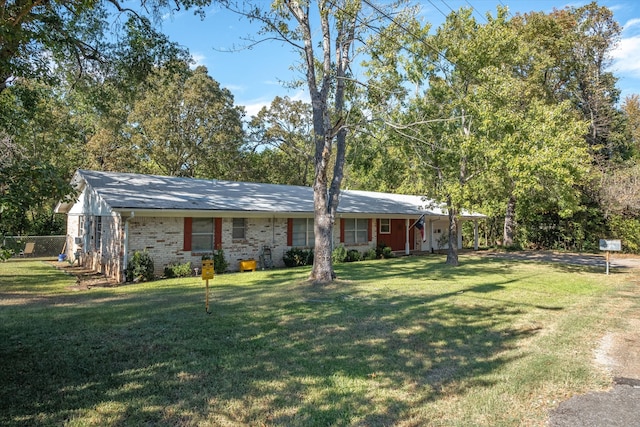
column 163, row 238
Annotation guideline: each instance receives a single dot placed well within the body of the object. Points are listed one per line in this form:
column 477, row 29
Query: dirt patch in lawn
column 85, row 278
column 619, row 352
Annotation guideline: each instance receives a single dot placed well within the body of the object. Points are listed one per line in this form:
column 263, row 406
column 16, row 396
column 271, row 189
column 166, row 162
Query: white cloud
column 198, row 59
column 627, row 56
column 301, row 95
column 631, row 23
column 254, row 106
column 235, row 88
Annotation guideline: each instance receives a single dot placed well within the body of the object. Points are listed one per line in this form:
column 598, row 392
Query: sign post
column 610, row 245
column 207, row 273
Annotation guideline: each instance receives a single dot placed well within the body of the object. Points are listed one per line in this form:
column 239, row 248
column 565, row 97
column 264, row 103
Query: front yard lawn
column 403, row 342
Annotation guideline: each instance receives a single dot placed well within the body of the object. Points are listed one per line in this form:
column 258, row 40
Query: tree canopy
column 514, row 116
column 185, row 124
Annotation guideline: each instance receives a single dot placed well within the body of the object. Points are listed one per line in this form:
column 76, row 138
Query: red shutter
column 289, row 231
column 217, row 233
column 341, row 230
column 370, row 229
column 187, row 233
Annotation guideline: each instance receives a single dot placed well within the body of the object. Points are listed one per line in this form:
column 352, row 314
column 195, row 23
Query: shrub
column 353, row 255
column 383, row 251
column 339, row 255
column 370, row 254
column 220, row 263
column 140, row 267
column 387, row 252
column 310, row 257
column 296, row 257
column 5, row 253
column 628, row 231
column 178, row 270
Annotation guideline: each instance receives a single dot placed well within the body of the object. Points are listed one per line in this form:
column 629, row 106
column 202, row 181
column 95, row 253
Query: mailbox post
column 610, row 245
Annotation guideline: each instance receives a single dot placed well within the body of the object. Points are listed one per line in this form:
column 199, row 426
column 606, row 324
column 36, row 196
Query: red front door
column 397, row 237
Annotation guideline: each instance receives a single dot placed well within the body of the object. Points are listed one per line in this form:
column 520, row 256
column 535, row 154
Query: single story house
column 179, row 219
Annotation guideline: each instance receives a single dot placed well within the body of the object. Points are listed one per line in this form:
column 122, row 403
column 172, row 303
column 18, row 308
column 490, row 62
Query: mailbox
column 610, row 245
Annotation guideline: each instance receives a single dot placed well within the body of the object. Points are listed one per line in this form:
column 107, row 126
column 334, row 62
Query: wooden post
column 206, row 304
column 207, row 273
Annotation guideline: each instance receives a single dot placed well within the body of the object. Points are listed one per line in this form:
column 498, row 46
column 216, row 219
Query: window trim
column 211, row 234
column 235, row 227
column 388, row 225
column 358, row 228
column 309, row 233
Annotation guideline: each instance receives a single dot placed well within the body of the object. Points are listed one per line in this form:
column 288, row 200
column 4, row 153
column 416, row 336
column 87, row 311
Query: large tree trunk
column 509, row 223
column 322, row 271
column 452, row 250
column 325, row 194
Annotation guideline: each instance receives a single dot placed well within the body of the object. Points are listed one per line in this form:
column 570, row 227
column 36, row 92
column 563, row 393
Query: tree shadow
column 272, row 353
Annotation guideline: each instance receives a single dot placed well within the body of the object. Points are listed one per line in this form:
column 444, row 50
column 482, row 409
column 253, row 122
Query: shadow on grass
column 273, row 352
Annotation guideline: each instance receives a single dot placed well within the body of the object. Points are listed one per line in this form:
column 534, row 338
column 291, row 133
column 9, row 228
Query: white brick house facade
column 118, row 214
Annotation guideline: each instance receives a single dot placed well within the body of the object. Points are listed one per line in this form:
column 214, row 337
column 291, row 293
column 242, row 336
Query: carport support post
column 406, row 242
column 475, row 235
column 431, row 235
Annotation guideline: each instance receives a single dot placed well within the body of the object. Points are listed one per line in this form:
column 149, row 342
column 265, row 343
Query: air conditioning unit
column 79, row 241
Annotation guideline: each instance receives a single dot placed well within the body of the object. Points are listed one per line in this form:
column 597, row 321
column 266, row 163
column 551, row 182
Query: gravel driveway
column 594, row 260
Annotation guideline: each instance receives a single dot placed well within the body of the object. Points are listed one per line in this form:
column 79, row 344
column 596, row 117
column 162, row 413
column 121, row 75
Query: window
column 302, row 232
column 356, row 230
column 202, row 235
column 385, row 226
column 239, row 228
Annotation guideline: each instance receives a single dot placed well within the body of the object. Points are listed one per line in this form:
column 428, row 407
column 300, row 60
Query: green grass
column 407, row 341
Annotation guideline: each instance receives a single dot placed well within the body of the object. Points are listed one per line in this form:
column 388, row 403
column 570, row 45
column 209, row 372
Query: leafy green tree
column 326, row 53
column 631, row 111
column 28, row 189
column 283, row 139
column 439, row 124
column 79, row 48
column 578, row 42
column 483, row 128
column 42, row 149
column 187, row 125
column 94, row 36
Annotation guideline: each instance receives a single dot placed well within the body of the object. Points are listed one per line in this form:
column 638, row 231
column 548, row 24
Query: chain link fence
column 44, row 246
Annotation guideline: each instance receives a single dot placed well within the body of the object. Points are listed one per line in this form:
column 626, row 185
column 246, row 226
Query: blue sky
column 255, row 76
